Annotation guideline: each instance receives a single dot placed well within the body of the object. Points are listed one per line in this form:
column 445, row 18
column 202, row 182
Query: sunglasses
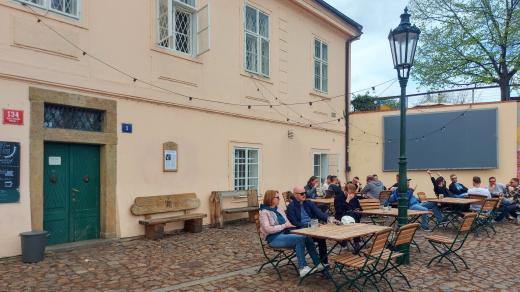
column 301, row 193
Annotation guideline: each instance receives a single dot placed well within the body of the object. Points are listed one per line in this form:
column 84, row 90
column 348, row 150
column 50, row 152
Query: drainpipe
column 347, row 103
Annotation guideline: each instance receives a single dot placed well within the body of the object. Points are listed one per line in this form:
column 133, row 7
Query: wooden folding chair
column 280, row 254
column 422, row 197
column 383, row 196
column 447, row 247
column 287, row 198
column 390, row 255
column 371, row 204
column 362, row 265
column 485, row 216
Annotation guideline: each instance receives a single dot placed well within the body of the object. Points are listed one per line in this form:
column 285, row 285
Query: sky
column 371, row 57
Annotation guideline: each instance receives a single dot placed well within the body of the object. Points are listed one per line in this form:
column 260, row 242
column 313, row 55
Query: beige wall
column 32, row 56
column 366, row 157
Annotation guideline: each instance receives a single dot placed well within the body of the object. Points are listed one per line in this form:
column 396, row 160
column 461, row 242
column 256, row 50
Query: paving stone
column 225, row 260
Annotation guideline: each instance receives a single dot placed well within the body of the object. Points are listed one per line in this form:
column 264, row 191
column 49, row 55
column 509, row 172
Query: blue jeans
column 299, row 243
column 460, row 195
column 510, row 209
column 425, row 207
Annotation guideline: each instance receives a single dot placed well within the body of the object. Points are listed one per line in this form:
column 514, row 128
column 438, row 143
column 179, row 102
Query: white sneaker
column 304, row 271
column 320, row 267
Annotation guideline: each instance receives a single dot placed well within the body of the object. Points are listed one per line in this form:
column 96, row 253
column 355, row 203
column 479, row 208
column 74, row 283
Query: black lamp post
column 403, row 42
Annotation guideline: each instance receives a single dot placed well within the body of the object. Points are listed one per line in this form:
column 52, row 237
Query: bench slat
column 164, row 204
column 238, row 210
column 172, row 219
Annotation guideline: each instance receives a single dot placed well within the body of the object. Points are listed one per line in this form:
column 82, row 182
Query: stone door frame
column 107, row 139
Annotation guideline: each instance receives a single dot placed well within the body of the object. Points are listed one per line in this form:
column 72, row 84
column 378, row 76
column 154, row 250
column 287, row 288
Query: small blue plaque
column 126, row 128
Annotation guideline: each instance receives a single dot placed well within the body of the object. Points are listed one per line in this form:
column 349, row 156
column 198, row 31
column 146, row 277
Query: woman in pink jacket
column 274, row 227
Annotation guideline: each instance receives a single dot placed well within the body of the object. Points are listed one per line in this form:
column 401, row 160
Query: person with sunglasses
column 300, row 212
column 275, row 229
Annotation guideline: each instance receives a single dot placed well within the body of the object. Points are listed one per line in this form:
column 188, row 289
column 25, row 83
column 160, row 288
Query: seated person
column 357, row 183
column 301, row 211
column 439, row 185
column 347, row 205
column 396, row 185
column 414, row 204
column 327, row 183
column 496, row 189
column 310, row 187
column 513, row 201
column 274, row 228
column 477, row 190
column 456, row 188
column 373, row 188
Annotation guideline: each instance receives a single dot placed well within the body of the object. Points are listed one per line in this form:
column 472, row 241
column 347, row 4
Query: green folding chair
column 485, row 216
column 447, row 247
column 363, row 266
column 390, row 256
column 276, row 256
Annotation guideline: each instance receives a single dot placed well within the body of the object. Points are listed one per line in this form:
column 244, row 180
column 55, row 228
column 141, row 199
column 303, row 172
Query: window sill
column 176, row 55
column 257, row 77
column 320, row 94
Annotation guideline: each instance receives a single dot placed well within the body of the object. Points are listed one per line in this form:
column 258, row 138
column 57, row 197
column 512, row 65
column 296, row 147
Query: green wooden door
column 71, row 192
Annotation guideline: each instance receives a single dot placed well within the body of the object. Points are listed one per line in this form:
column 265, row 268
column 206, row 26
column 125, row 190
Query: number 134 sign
column 13, row 117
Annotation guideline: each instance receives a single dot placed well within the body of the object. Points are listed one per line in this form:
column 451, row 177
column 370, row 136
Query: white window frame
column 321, row 176
column 47, row 6
column 324, row 82
column 259, row 38
column 173, row 5
column 246, row 165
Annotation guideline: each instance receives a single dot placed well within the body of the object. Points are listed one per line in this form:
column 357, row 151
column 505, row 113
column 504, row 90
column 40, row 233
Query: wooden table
column 458, row 201
column 340, row 232
column 394, row 212
column 327, row 201
column 451, row 216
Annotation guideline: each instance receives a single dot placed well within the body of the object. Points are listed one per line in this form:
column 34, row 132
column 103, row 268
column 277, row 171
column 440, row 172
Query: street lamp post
column 403, row 42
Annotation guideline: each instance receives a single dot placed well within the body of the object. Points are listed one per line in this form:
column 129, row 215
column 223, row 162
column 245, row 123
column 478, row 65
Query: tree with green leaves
column 468, row 42
column 366, row 102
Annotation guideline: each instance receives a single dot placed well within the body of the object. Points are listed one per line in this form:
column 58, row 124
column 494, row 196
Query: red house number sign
column 13, row 117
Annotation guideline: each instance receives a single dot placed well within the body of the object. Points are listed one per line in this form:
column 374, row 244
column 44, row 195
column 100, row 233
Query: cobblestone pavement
column 227, row 259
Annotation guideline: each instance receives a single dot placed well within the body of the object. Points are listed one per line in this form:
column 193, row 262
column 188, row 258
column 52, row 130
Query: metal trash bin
column 33, row 246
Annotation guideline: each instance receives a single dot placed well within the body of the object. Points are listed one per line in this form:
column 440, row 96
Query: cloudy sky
column 371, row 59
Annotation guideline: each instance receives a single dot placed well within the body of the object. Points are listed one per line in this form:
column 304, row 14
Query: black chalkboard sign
column 9, row 172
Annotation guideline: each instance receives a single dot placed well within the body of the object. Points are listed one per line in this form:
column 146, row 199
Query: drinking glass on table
column 315, row 223
column 441, row 196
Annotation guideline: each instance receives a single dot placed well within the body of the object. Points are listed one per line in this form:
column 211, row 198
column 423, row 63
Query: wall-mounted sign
column 9, row 172
column 126, row 128
column 13, row 117
column 54, row 160
column 169, row 156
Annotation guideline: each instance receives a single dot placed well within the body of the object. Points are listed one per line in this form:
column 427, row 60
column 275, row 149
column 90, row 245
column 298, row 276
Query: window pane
column 325, row 52
column 317, row 76
column 317, row 159
column 162, row 22
column 317, row 49
column 265, row 57
column 316, row 171
column 189, row 2
column 253, row 156
column 251, row 53
column 252, row 170
column 37, row 2
column 57, row 4
column 264, row 25
column 325, row 75
column 252, row 184
column 251, row 21
column 183, row 31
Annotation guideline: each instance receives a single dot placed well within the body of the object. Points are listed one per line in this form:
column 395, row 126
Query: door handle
column 75, row 190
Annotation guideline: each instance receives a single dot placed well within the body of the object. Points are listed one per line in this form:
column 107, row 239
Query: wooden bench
column 154, row 228
column 217, row 210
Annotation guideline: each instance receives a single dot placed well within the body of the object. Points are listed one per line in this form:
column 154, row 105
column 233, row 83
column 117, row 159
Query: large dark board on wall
column 444, row 140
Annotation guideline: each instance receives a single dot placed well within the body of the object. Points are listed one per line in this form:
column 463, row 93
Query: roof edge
column 342, row 16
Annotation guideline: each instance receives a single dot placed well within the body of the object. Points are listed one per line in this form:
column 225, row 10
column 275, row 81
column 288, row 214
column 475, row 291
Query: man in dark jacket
column 301, row 211
column 456, row 188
